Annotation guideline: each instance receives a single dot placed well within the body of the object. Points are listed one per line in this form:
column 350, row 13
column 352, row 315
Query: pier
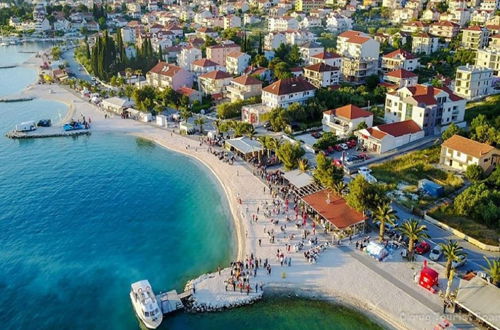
column 171, row 301
column 16, row 99
column 46, row 132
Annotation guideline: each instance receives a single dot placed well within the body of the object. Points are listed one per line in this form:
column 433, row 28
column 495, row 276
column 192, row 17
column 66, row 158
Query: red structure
column 428, row 278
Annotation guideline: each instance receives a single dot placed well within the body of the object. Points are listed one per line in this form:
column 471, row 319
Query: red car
column 337, row 147
column 351, row 143
column 422, row 247
column 337, row 162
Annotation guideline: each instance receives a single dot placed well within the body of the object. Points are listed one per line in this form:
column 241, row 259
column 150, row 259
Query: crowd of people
column 241, row 273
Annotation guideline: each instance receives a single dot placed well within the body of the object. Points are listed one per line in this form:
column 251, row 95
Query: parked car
column 436, row 253
column 459, row 262
column 337, row 147
column 351, row 143
column 316, row 135
column 422, row 247
column 344, row 146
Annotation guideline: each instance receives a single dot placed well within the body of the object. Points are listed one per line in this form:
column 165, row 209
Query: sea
column 82, row 218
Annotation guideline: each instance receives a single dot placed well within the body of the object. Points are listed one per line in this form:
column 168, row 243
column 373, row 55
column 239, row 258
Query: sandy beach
column 384, row 291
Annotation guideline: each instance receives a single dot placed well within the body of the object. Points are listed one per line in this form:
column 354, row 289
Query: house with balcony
column 187, row 56
column 329, row 58
column 459, row 152
column 284, row 92
column 322, row 75
column 356, row 70
column 387, row 137
column 423, row 43
column 243, row 88
column 309, row 49
column 399, row 59
column 444, row 29
column 283, row 23
column 214, row 82
column 472, row 82
column 203, row 66
column 432, row 108
column 218, row 53
column 357, row 44
column 474, row 37
column 237, row 62
column 489, row 58
column 401, row 78
column 164, row 75
column 344, row 120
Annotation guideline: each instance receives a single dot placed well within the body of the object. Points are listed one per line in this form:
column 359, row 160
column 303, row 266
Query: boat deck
column 170, row 301
column 46, row 132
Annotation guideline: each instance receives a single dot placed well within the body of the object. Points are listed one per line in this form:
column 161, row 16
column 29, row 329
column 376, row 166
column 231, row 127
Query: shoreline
column 365, row 301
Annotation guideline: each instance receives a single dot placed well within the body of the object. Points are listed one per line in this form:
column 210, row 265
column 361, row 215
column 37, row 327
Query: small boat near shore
column 145, row 304
column 75, row 126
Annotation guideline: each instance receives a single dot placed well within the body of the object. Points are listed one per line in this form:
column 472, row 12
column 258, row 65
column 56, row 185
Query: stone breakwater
column 210, row 295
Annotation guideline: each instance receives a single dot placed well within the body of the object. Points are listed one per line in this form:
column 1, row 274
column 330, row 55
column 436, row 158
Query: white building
column 322, row 75
column 344, row 120
column 309, row 49
column 432, row 108
column 473, row 82
column 284, row 92
column 187, row 56
column 237, row 62
column 424, row 43
column 357, row 45
column 284, row 23
column 399, row 59
column 489, row 58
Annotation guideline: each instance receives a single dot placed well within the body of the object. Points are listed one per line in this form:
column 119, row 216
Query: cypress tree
column 160, row 53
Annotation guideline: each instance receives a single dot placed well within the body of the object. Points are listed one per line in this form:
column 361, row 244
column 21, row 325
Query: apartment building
column 357, row 44
column 423, row 43
column 284, row 23
column 344, row 120
column 309, row 49
column 473, row 82
column 284, row 92
column 432, row 108
column 237, row 62
column 444, row 29
column 329, row 58
column 356, row 70
column 164, row 75
column 244, row 87
column 401, row 78
column 214, row 82
column 474, row 37
column 218, row 53
column 399, row 59
column 489, row 58
column 187, row 56
column 308, row 5
column 322, row 75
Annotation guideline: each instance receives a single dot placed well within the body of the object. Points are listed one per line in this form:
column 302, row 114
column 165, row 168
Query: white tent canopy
column 245, row 145
column 481, row 299
column 298, row 178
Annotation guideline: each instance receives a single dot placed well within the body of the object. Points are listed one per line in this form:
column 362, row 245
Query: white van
column 26, row 126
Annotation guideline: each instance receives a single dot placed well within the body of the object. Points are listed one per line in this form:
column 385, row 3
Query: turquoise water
column 82, row 218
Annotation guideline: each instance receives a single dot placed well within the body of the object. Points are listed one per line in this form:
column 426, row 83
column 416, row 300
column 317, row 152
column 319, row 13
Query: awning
column 334, row 209
column 481, row 299
column 245, row 145
column 298, row 178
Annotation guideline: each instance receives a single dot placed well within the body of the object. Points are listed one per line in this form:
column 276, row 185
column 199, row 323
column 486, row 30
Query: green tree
column 289, row 154
column 474, row 172
column 372, row 82
column 363, row 195
column 414, row 231
column 450, row 131
column 326, row 173
column 361, row 125
column 260, row 60
column 452, row 252
column 200, row 121
column 384, row 214
column 303, row 165
column 493, row 270
column 56, row 53
column 326, row 140
column 282, row 71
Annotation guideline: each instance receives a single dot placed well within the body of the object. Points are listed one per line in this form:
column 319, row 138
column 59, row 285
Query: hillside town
column 366, row 116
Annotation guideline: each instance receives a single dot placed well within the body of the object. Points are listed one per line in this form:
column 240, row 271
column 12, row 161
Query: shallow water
column 81, row 218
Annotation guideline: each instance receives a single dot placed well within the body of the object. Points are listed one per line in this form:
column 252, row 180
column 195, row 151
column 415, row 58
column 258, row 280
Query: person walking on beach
column 260, row 242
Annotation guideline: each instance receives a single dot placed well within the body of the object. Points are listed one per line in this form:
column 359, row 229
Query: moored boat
column 145, row 304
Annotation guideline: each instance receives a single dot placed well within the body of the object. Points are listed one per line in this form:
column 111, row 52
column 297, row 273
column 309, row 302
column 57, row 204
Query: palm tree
column 414, row 231
column 200, row 121
column 273, row 144
column 339, row 187
column 493, row 270
column 384, row 214
column 264, row 140
column 452, row 251
column 303, row 165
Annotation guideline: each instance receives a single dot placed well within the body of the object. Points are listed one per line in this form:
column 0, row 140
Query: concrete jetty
column 45, row 132
column 16, row 99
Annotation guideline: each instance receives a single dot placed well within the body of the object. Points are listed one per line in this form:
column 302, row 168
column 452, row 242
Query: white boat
column 145, row 304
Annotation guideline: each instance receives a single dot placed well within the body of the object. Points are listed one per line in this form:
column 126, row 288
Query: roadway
column 74, row 67
column 437, row 235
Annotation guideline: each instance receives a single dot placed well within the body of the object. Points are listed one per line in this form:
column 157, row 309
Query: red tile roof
column 321, row 67
column 349, row 34
column 467, row 146
column 379, row 135
column 401, row 73
column 216, row 74
column 351, row 111
column 289, row 85
column 358, row 40
column 186, row 91
column 400, row 128
column 326, row 55
column 337, row 212
column 247, row 80
column 204, row 62
column 403, row 53
column 165, row 69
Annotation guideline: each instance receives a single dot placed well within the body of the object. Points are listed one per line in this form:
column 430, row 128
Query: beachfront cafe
column 302, row 182
column 244, row 147
column 333, row 213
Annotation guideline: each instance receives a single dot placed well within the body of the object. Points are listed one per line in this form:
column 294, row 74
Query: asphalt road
column 475, row 259
column 74, row 67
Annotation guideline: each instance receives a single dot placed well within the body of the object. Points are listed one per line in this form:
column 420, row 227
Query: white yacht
column 145, row 304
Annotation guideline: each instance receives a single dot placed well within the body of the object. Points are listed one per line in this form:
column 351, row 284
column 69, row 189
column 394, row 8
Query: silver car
column 459, row 262
column 436, row 253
